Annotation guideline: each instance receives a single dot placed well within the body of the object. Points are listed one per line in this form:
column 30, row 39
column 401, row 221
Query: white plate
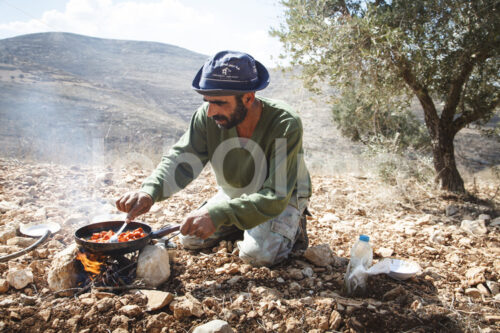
column 38, row 229
column 402, row 270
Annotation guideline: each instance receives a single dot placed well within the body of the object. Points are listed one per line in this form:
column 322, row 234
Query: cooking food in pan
column 104, row 236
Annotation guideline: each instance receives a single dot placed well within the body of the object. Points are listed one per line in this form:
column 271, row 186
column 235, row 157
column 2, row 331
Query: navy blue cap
column 364, row 238
column 230, row 73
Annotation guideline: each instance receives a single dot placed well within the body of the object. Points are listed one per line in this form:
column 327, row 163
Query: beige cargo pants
column 264, row 245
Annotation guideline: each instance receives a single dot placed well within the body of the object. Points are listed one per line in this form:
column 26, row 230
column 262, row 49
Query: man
column 255, row 147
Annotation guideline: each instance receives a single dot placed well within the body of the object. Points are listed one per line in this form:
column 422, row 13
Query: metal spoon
column 114, row 238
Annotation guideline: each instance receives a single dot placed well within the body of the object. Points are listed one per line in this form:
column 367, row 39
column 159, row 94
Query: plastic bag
column 355, row 279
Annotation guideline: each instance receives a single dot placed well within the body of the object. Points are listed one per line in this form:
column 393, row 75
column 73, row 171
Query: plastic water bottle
column 361, row 255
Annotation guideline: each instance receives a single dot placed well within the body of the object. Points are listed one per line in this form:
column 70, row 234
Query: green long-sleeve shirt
column 276, row 144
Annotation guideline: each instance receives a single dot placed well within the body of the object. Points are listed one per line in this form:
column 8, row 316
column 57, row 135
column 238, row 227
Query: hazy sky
column 204, row 26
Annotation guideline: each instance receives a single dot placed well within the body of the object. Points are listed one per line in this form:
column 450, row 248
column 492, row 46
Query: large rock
column 5, row 206
column 63, row 271
column 131, row 310
column 157, row 299
column 21, row 241
column 153, row 265
column 7, row 234
column 335, row 320
column 495, row 222
column 4, row 286
column 186, row 306
column 214, row 326
column 19, row 277
column 475, row 275
column 320, row 255
column 476, row 227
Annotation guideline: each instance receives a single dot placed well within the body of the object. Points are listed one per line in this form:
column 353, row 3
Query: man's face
column 227, row 111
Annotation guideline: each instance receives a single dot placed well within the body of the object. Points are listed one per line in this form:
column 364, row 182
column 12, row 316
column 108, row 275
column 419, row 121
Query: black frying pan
column 83, row 234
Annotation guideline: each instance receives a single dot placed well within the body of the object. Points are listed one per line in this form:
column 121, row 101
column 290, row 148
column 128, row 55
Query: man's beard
column 239, row 114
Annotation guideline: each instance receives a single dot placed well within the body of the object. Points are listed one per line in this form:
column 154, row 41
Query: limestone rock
column 7, row 234
column 153, row 265
column 5, row 206
column 294, row 287
column 131, row 310
column 473, row 292
column 319, row 255
column 27, row 300
column 267, row 294
column 45, row 314
column 495, row 222
column 21, row 241
column 475, row 275
column 476, row 227
column 186, row 306
column 307, row 271
column 335, row 320
column 214, row 326
column 157, row 299
column 484, row 217
column 451, row 210
column 384, row 252
column 483, row 290
column 4, row 286
column 19, row 278
column 63, row 271
column 295, row 274
column 293, row 325
column 494, row 287
column 329, row 218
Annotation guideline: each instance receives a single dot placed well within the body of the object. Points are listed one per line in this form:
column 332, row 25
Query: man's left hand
column 198, row 224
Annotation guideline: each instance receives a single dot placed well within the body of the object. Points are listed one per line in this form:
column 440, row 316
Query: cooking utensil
column 83, row 234
column 114, row 238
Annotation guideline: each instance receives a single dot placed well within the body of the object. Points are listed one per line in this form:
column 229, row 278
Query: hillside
column 68, row 93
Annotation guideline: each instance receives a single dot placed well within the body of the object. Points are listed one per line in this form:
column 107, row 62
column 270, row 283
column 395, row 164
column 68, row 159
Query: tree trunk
column 444, row 162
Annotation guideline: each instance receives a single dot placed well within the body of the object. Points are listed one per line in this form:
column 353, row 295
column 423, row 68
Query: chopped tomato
column 104, row 236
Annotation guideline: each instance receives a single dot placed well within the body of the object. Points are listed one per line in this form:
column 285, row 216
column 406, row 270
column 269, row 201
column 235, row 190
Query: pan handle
column 165, row 231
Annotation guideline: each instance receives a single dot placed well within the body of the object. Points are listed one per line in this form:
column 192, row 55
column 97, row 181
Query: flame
column 89, row 262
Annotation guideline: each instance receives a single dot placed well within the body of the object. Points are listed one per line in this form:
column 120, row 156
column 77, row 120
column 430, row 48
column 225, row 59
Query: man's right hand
column 135, row 204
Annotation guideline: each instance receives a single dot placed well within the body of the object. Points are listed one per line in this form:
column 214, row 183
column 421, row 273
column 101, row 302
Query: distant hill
column 83, row 94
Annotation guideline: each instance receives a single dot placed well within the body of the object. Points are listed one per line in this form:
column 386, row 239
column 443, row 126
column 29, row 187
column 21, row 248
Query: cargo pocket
column 287, row 223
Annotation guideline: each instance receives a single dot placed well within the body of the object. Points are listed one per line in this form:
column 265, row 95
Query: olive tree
column 443, row 52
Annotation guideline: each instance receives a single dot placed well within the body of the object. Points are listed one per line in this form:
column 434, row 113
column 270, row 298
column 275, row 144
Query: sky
column 203, row 26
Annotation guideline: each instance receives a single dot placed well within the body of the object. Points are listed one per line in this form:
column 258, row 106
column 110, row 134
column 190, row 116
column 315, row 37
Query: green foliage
column 380, row 54
column 378, row 121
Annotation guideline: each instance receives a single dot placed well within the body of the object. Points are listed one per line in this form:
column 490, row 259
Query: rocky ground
column 455, row 242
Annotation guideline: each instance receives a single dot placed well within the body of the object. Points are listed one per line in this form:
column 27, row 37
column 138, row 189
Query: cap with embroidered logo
column 230, row 73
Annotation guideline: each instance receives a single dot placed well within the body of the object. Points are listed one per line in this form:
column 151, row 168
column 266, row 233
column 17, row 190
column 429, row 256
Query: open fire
column 90, row 263
column 106, row 271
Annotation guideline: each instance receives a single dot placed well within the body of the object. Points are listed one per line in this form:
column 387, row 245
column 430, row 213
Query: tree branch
column 476, row 114
column 344, row 9
column 430, row 113
column 456, row 88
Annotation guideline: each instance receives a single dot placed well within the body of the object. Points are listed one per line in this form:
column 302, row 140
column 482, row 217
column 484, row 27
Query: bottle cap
column 364, row 238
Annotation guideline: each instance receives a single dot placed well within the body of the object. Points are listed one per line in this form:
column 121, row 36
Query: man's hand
column 198, row 224
column 135, row 204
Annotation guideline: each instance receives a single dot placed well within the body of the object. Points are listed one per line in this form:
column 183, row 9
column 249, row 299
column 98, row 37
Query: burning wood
column 106, row 271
